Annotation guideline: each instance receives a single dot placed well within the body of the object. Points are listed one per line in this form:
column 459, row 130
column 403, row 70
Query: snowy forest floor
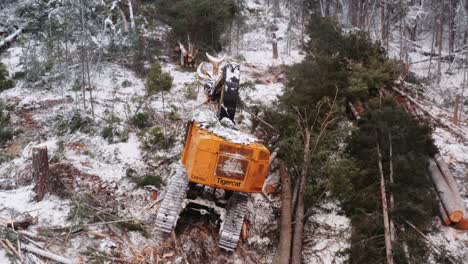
column 97, row 186
column 96, row 181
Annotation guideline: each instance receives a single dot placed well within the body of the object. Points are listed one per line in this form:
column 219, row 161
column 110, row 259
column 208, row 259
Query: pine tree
column 5, row 82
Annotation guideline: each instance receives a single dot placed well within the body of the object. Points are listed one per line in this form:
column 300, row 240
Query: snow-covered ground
column 327, row 232
column 438, row 98
column 99, row 167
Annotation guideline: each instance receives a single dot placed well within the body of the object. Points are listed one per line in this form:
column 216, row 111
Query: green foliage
column 153, row 180
column 191, row 90
column 141, row 120
column 147, row 180
column 75, row 122
column 6, row 132
column 113, row 131
column 157, row 80
column 154, row 139
column 113, row 134
column 412, row 144
column 203, row 20
column 126, row 83
column 19, row 75
column 365, row 81
column 5, row 82
column 351, row 66
column 312, row 80
column 326, row 37
column 353, row 63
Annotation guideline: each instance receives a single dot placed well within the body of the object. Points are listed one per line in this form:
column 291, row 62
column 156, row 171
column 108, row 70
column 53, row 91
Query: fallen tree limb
column 4, row 44
column 176, row 244
column 91, row 224
column 436, row 249
column 426, row 112
column 387, row 230
column 354, row 112
column 47, row 254
column 283, row 252
column 6, row 244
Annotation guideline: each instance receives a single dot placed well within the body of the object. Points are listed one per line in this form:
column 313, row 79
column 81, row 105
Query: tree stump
column 275, row 47
column 40, row 165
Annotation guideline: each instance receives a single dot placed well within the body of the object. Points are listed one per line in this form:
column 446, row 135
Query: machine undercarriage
column 182, row 195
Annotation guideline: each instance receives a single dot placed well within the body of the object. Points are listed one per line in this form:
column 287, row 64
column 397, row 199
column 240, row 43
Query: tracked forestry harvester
column 221, row 165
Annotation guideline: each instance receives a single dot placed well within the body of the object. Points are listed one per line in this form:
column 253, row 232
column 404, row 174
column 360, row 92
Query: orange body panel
column 210, row 160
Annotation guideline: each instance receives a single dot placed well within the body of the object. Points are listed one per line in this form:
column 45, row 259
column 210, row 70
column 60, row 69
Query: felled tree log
column 443, row 214
column 462, row 225
column 450, row 181
column 284, row 246
column 47, row 254
column 4, row 44
column 451, row 129
column 454, row 212
column 40, row 165
column 354, row 111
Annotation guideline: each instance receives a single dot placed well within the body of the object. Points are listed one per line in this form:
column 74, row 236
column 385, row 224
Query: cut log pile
column 452, row 209
column 451, row 206
column 6, row 43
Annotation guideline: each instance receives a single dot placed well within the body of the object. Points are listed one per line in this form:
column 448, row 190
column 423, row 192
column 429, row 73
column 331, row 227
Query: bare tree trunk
column 275, row 47
column 382, row 20
column 440, row 40
column 89, row 84
column 299, row 219
column 238, row 31
column 362, row 13
column 434, row 34
column 40, row 165
column 284, row 246
column 83, row 90
column 302, row 24
column 354, row 12
column 230, row 37
column 124, row 19
column 392, row 198
column 388, row 240
column 327, row 8
column 456, row 109
column 132, row 19
column 276, row 8
column 452, row 25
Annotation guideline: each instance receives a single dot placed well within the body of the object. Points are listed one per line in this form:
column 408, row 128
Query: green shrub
column 154, row 138
column 74, row 123
column 126, row 83
column 113, row 134
column 191, row 90
column 140, row 120
column 19, row 75
column 157, row 80
column 152, row 180
column 6, row 132
column 113, row 131
column 5, row 82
